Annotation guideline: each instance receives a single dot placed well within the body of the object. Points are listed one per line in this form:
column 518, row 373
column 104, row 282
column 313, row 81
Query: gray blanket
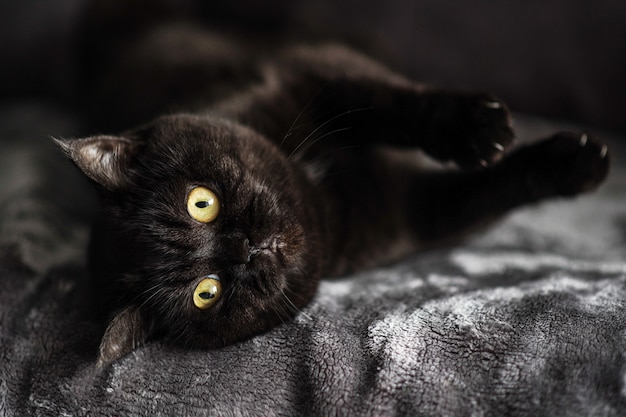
column 528, row 319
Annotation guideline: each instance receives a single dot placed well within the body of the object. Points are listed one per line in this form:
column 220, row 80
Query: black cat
column 218, row 220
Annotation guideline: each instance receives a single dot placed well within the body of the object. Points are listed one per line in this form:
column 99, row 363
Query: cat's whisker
column 304, row 109
column 229, row 296
column 345, row 113
column 288, row 304
column 312, row 133
column 283, row 316
column 295, row 309
column 313, row 142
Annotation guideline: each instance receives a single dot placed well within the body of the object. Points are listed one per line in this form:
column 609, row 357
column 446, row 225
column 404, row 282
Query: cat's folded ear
column 104, row 159
column 127, row 331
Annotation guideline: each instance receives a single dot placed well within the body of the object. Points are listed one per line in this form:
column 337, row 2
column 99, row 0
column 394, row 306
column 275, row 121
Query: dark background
column 561, row 59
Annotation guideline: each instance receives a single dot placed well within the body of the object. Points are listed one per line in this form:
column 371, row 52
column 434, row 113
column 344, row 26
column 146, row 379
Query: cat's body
column 304, row 150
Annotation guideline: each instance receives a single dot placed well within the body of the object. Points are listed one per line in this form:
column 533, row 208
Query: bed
column 526, row 319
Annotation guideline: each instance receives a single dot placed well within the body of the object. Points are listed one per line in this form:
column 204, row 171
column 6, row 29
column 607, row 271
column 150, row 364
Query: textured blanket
column 527, row 319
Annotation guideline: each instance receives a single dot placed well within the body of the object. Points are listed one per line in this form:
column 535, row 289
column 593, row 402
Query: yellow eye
column 203, row 205
column 208, row 291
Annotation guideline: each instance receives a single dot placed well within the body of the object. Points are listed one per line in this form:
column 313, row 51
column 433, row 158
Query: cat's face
column 206, row 227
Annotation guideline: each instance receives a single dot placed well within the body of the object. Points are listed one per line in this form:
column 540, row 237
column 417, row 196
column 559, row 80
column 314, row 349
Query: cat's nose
column 236, row 248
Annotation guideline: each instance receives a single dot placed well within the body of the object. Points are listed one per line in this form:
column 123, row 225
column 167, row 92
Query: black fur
column 310, row 151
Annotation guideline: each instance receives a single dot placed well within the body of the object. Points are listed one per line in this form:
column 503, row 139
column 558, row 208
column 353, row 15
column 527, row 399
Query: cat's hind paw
column 566, row 164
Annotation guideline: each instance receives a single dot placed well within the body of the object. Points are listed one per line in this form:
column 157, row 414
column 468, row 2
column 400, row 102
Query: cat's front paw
column 472, row 130
column 566, row 164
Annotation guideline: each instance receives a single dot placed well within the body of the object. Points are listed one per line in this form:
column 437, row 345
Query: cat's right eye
column 207, row 292
column 203, row 205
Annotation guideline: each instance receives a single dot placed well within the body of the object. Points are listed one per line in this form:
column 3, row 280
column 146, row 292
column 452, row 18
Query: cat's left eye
column 203, row 205
column 207, row 292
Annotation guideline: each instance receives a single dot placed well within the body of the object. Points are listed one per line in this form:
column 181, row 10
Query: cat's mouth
column 266, row 255
column 268, row 247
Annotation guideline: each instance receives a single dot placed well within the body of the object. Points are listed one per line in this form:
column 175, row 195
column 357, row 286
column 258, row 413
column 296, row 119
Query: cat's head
column 206, row 233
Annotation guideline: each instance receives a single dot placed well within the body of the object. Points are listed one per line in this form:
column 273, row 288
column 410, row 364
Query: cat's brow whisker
column 150, row 298
column 153, row 292
column 152, row 288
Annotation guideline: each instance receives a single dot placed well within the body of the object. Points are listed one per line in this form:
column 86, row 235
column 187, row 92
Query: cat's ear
column 104, row 159
column 127, row 331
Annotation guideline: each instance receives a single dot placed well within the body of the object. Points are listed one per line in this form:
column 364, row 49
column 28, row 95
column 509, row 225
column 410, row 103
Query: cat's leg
column 313, row 98
column 471, row 130
column 384, row 206
column 447, row 205
column 465, row 128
